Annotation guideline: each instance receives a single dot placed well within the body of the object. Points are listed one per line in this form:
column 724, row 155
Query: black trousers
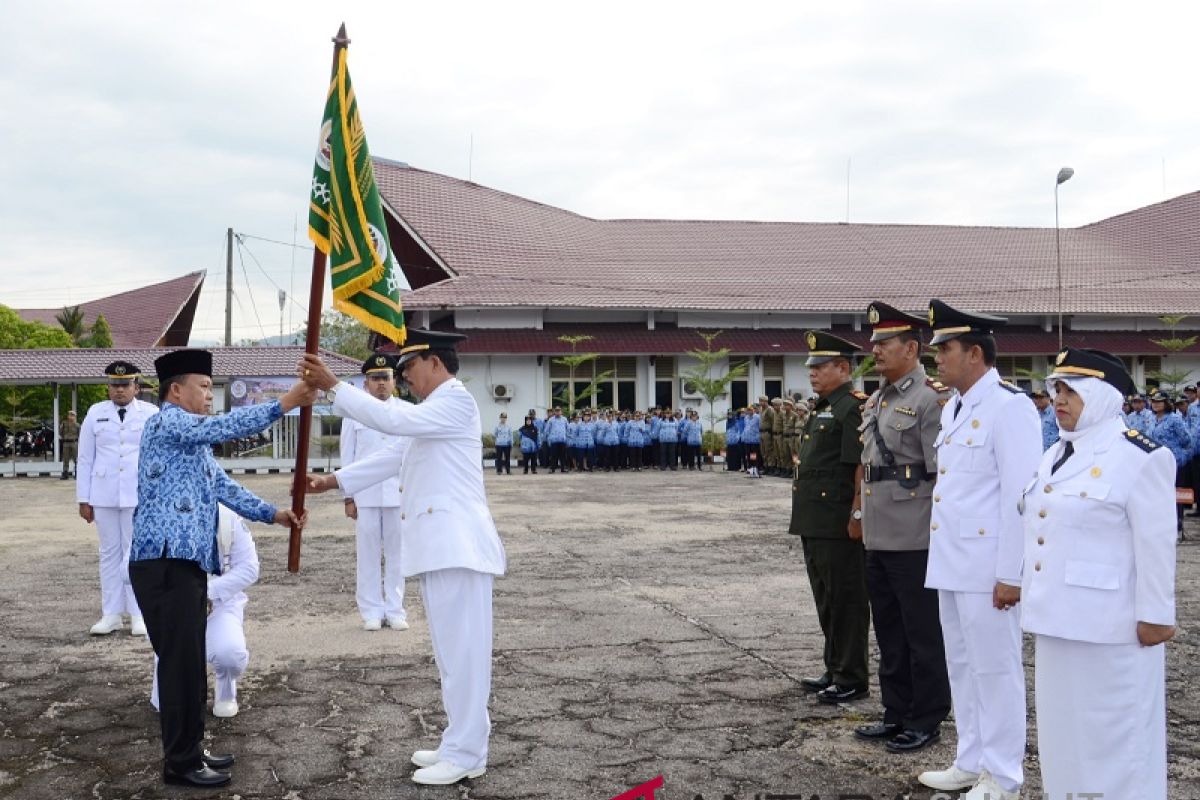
column 171, row 594
column 503, row 458
column 837, row 573
column 667, row 457
column 558, row 456
column 733, row 457
column 912, row 658
column 752, row 455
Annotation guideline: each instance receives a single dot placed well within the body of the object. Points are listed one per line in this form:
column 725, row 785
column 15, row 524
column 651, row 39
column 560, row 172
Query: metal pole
column 1058, row 259
column 229, row 287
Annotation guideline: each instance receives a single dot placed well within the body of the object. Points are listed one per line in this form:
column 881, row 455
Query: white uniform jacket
column 107, row 465
column 1100, row 539
column 357, row 442
column 985, row 458
column 445, row 518
column 239, row 563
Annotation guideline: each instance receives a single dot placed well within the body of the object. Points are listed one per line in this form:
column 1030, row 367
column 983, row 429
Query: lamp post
column 1064, row 175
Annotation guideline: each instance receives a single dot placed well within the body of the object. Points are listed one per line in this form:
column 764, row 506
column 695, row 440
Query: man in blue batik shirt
column 175, row 544
column 1041, row 399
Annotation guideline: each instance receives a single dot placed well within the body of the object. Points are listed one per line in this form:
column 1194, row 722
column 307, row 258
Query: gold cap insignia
column 119, row 369
column 812, row 340
column 931, row 316
column 380, row 361
column 873, row 315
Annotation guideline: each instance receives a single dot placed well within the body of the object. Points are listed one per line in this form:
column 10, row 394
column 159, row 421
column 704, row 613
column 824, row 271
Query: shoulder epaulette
column 858, row 395
column 1135, row 438
column 1011, row 387
column 937, row 386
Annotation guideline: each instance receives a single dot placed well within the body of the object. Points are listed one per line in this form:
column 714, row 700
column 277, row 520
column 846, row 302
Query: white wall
column 717, row 319
column 592, row 315
column 481, row 373
column 498, row 318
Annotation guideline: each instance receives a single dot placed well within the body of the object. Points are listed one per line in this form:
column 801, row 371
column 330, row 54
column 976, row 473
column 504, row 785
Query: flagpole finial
column 341, row 40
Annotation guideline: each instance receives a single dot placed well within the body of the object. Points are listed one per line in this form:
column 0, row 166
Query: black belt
column 907, row 474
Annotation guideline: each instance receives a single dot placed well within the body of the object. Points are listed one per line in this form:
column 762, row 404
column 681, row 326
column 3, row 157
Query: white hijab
column 1101, row 403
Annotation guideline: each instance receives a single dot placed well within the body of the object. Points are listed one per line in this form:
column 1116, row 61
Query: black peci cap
column 824, row 347
column 1075, row 363
column 950, row 323
column 183, row 362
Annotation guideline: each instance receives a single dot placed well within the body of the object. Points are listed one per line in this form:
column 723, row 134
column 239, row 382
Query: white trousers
column 225, row 644
column 380, row 583
column 114, row 526
column 458, row 606
column 1101, row 719
column 987, row 684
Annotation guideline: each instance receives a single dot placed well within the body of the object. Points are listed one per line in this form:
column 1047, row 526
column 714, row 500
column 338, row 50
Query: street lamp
column 1064, row 175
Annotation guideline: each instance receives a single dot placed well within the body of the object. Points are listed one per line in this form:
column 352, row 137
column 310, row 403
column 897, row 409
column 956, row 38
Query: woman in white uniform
column 1098, row 589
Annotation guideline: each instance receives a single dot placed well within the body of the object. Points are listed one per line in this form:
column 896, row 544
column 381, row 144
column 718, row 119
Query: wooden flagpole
column 316, row 295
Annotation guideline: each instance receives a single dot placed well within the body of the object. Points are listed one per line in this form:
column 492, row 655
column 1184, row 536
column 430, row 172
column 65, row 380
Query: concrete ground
column 651, row 624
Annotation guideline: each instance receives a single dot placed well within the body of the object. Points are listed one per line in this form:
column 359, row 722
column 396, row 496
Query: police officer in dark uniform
column 822, row 497
column 900, row 424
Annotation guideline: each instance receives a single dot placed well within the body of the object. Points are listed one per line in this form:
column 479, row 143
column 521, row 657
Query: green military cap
column 824, row 347
column 1086, row 363
column 888, row 321
column 950, row 323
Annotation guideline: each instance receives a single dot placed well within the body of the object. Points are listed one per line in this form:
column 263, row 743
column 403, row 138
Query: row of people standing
column 604, row 440
column 1173, row 423
column 934, row 510
column 764, row 439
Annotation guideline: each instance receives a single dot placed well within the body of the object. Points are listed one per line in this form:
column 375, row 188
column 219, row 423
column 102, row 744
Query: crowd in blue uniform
column 1174, row 423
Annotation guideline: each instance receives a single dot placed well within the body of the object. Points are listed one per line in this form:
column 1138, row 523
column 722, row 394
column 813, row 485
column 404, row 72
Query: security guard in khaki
column 822, row 496
column 766, row 416
column 900, row 424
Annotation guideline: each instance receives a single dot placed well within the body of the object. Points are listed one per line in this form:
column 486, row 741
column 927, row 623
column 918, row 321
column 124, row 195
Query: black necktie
column 1067, row 451
column 957, row 407
column 121, row 414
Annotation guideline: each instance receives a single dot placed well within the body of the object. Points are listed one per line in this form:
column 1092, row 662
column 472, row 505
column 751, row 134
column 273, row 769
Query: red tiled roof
column 140, row 317
column 86, row 365
column 636, row 339
column 507, row 251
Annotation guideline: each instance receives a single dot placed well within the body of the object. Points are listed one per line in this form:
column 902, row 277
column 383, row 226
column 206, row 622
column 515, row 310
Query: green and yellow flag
column 345, row 216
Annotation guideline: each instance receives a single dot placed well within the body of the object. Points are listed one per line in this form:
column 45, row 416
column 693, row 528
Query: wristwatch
column 331, row 394
column 856, row 513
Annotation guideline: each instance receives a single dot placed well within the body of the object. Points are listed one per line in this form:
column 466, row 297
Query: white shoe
column 443, row 773
column 107, row 624
column 949, row 780
column 372, row 624
column 425, row 758
column 225, row 708
column 397, row 623
column 988, row 789
column 137, row 626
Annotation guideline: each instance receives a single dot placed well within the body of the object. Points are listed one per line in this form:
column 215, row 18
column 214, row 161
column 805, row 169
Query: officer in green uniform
column 790, row 429
column 70, row 444
column 766, row 420
column 822, row 498
column 900, row 423
column 782, row 466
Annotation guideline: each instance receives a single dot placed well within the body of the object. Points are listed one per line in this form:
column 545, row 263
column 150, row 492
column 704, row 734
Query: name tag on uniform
column 825, row 415
column 103, row 419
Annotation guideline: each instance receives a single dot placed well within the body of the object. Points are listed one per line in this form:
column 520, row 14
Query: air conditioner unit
column 503, row 391
column 688, row 389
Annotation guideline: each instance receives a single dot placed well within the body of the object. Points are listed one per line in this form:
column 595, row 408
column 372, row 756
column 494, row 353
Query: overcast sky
column 134, row 134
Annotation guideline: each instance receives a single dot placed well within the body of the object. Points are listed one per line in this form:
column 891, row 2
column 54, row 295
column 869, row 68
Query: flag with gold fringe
column 345, row 216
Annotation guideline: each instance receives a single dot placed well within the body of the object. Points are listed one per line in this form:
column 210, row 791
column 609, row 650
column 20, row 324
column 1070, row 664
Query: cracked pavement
column 650, row 624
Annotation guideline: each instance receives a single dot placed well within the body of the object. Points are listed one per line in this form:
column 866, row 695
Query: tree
column 71, row 320
column 342, row 334
column 569, row 397
column 101, row 335
column 706, row 384
column 1174, row 345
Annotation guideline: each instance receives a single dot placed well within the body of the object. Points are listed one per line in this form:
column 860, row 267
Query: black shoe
column 224, row 761
column 909, row 740
column 879, row 730
column 203, row 777
column 816, row 684
column 834, row 694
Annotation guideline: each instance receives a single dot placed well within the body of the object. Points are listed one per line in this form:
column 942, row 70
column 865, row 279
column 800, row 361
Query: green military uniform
column 822, row 496
column 766, row 428
column 779, row 443
column 790, row 422
column 69, row 445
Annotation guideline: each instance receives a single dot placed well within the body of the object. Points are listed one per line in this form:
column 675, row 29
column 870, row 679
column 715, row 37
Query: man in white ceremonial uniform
column 106, row 486
column 1099, row 589
column 987, row 450
column 225, row 636
column 376, row 509
column 450, row 540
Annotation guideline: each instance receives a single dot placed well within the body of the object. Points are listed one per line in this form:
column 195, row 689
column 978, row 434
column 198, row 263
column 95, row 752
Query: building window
column 772, row 367
column 664, row 381
column 1017, row 370
column 739, row 389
